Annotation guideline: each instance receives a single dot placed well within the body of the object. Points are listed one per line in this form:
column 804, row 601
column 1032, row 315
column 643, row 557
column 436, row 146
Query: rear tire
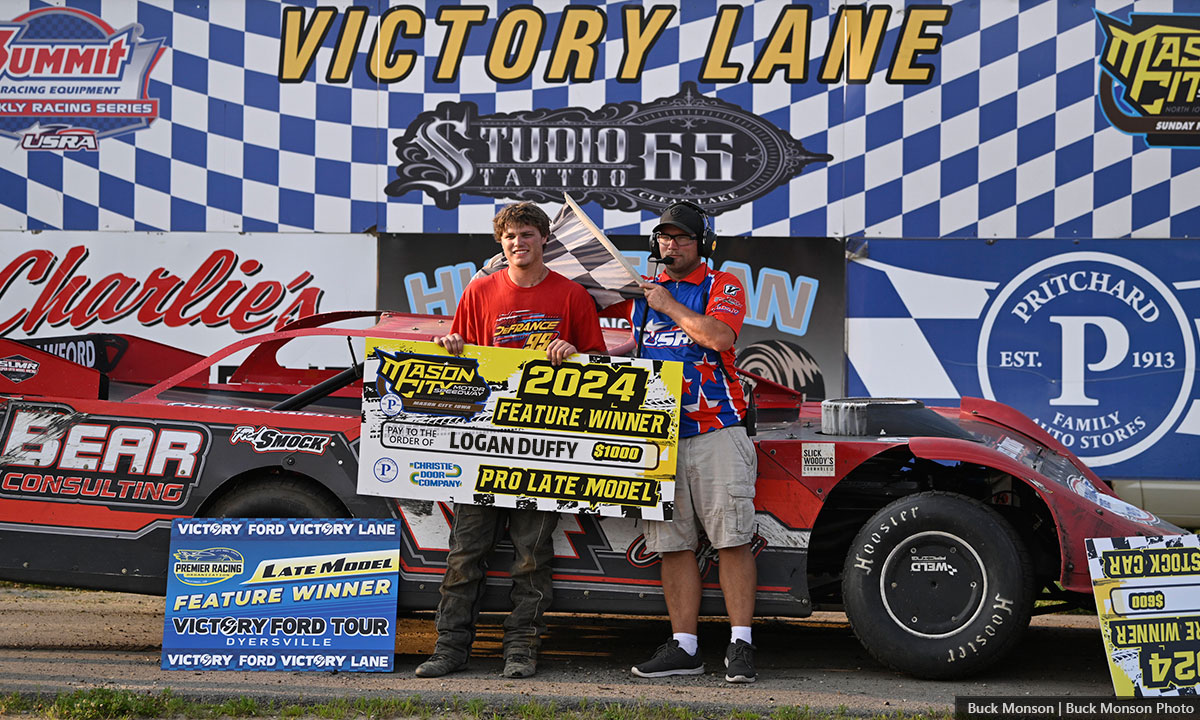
column 277, row 497
column 938, row 585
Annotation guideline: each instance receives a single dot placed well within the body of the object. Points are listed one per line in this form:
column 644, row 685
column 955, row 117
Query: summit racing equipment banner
column 498, row 426
column 1148, row 600
column 281, row 595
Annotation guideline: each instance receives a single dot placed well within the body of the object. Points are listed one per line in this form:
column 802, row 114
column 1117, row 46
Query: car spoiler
column 83, row 365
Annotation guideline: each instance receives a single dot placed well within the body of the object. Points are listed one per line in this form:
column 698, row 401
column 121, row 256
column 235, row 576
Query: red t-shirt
column 496, row 311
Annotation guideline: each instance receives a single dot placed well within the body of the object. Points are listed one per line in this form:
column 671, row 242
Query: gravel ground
column 62, row 640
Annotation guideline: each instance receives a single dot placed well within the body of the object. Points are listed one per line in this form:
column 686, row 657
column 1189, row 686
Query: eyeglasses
column 679, row 240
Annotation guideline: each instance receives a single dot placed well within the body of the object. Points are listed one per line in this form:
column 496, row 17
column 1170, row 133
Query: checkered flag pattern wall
column 1004, row 138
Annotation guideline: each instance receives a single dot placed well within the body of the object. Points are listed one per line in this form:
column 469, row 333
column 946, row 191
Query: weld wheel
column 938, row 585
column 277, row 497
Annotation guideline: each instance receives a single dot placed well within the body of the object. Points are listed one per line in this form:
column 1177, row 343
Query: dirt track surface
column 55, row 641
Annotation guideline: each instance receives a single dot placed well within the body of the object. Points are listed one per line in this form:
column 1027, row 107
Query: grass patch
column 104, row 704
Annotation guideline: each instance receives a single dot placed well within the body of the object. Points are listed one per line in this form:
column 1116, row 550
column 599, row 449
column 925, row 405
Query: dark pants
column 476, row 531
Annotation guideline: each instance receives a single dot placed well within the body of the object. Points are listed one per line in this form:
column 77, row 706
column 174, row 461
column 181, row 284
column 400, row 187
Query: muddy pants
column 476, row 531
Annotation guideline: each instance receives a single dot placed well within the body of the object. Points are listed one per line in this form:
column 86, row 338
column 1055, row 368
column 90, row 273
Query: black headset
column 706, row 243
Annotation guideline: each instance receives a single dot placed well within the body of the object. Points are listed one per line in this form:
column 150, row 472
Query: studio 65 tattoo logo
column 1093, row 346
column 624, row 156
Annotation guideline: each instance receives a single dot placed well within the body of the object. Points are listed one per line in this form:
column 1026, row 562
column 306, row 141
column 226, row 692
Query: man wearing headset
column 693, row 313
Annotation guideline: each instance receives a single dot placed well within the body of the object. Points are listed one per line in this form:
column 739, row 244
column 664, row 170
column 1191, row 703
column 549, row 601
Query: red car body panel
column 164, row 389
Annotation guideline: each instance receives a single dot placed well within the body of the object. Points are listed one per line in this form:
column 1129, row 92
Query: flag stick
column 612, row 249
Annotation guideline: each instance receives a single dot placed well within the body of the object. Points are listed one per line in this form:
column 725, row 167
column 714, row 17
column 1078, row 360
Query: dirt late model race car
column 934, row 529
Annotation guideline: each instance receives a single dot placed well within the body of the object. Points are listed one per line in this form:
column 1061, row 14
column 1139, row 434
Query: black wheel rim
column 933, row 584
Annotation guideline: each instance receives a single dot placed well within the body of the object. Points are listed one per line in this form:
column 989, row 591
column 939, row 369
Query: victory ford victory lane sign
column 498, row 426
column 281, row 595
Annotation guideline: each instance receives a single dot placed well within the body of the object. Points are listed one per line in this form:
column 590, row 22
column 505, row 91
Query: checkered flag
column 580, row 251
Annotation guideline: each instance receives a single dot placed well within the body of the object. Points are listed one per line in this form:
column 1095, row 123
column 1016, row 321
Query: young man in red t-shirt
column 527, row 305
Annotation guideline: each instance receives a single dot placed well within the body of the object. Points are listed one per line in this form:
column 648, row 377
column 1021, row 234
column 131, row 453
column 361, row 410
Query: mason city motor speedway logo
column 432, row 384
column 68, row 78
column 1124, row 347
column 1156, row 59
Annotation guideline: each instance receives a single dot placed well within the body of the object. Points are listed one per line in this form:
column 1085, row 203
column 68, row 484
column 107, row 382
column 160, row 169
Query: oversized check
column 499, row 426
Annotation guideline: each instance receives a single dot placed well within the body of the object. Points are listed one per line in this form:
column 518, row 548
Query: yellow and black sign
column 1148, row 601
column 593, row 434
column 853, row 48
column 588, row 488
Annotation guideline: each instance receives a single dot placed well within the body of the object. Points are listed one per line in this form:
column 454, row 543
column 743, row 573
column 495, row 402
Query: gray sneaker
column 440, row 664
column 519, row 665
column 739, row 662
column 670, row 659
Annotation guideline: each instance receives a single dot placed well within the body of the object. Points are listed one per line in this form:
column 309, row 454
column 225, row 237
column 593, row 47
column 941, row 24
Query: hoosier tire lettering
column 866, row 563
column 938, row 585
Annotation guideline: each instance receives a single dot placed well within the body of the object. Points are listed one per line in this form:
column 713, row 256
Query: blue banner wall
column 1094, row 339
column 883, row 119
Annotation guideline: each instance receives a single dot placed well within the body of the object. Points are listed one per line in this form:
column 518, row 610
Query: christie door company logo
column 1095, row 348
column 1153, row 58
column 68, row 79
column 624, row 156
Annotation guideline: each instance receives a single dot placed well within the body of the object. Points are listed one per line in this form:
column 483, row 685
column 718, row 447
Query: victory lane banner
column 1148, row 600
column 504, row 427
column 281, row 595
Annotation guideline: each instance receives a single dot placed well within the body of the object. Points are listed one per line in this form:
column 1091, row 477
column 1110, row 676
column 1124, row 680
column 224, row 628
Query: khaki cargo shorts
column 714, row 490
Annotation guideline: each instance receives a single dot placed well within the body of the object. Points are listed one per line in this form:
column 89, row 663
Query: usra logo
column 18, row 368
column 268, row 439
column 1090, row 345
column 208, row 566
column 1084, row 488
column 1148, row 86
column 667, row 339
column 58, row 137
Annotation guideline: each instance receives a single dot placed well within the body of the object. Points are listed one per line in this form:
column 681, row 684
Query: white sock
column 740, row 632
column 688, row 642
